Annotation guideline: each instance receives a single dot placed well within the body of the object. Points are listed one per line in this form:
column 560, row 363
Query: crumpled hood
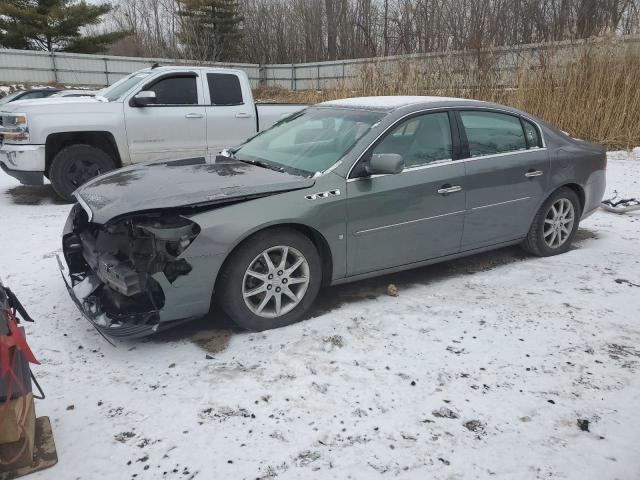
column 180, row 183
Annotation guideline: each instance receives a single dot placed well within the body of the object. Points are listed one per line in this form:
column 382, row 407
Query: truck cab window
column 224, row 89
column 180, row 90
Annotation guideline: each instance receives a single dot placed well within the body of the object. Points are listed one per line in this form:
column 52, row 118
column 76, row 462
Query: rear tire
column 260, row 297
column 555, row 224
column 75, row 165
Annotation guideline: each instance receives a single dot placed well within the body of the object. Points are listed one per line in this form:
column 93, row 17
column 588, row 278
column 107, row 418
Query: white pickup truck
column 153, row 114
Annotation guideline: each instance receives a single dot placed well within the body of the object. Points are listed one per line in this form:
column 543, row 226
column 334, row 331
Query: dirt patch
column 333, row 297
column 585, row 234
column 124, row 436
column 212, row 341
column 224, row 413
column 334, row 340
column 617, row 351
column 33, row 195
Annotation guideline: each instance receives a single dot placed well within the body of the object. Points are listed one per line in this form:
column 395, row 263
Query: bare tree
column 287, row 31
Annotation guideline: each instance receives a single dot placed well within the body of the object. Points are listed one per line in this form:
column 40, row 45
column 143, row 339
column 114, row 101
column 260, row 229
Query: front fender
column 224, row 228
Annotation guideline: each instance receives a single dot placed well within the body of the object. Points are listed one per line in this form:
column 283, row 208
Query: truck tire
column 75, row 165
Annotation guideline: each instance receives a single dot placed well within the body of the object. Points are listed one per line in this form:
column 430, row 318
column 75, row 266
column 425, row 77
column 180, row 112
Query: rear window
column 531, row 134
column 34, row 95
column 489, row 133
column 224, row 89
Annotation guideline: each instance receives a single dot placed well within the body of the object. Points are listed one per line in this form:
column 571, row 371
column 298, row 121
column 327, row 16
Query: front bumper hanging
column 617, row 204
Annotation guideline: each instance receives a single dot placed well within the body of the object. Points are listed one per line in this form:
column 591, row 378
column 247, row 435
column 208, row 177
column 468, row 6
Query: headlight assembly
column 14, row 127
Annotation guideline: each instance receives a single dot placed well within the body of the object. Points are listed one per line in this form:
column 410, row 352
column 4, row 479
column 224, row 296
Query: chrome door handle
column 243, row 115
column 194, row 115
column 444, row 190
column 534, row 173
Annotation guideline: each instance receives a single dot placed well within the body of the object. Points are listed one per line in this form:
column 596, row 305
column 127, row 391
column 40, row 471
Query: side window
column 180, row 90
column 224, row 89
column 420, row 140
column 531, row 134
column 34, row 95
column 489, row 133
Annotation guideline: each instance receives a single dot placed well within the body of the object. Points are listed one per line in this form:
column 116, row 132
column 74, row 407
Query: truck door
column 174, row 126
column 231, row 114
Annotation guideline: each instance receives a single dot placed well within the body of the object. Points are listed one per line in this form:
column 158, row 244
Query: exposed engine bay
column 118, row 264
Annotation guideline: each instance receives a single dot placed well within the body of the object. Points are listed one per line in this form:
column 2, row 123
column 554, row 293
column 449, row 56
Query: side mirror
column 144, row 98
column 384, row 163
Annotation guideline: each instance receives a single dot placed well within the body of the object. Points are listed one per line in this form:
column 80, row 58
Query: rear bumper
column 23, row 162
column 594, row 192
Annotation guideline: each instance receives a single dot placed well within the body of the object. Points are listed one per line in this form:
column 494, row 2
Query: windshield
column 311, row 141
column 8, row 98
column 118, row 89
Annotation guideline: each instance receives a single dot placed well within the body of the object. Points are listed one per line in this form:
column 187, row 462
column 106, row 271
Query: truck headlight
column 14, row 127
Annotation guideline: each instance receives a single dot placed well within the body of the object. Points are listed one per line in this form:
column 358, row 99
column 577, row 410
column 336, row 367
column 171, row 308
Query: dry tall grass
column 595, row 95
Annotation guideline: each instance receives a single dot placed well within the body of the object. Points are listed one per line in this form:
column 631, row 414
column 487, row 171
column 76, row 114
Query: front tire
column 555, row 224
column 270, row 280
column 75, row 165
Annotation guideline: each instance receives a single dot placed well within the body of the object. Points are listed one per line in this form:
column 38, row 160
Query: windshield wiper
column 258, row 163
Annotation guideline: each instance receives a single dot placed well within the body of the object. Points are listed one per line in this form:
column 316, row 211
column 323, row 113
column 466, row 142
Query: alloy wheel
column 558, row 223
column 275, row 281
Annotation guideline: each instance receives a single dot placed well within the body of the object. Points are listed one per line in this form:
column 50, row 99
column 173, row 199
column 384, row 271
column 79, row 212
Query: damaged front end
column 119, row 273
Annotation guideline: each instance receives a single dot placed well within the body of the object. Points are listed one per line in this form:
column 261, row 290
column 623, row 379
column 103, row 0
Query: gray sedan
column 341, row 191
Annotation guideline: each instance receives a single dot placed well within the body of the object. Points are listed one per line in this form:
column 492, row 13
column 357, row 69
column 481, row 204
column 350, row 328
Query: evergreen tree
column 211, row 29
column 53, row 25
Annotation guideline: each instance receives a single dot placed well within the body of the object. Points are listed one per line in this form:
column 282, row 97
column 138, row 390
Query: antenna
column 155, row 65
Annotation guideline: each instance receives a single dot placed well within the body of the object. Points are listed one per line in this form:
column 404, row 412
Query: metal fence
column 73, row 69
column 506, row 61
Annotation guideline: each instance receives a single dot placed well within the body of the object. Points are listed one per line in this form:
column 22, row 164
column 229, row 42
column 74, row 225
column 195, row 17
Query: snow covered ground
column 517, row 348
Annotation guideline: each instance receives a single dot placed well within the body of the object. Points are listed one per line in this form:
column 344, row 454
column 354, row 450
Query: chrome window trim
column 441, row 163
column 446, row 109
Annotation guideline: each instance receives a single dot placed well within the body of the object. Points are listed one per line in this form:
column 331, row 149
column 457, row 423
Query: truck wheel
column 270, row 280
column 76, row 164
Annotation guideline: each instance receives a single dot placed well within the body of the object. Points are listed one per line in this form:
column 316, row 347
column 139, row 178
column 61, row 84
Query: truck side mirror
column 144, row 98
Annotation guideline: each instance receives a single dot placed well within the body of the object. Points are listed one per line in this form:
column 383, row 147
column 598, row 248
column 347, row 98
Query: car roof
column 390, row 102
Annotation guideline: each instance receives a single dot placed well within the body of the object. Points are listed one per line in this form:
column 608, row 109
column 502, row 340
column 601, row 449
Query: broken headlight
column 168, row 238
column 132, row 249
column 172, row 235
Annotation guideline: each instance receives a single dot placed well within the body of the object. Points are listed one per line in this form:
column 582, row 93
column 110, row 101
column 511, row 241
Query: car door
column 412, row 216
column 231, row 116
column 172, row 127
column 506, row 173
